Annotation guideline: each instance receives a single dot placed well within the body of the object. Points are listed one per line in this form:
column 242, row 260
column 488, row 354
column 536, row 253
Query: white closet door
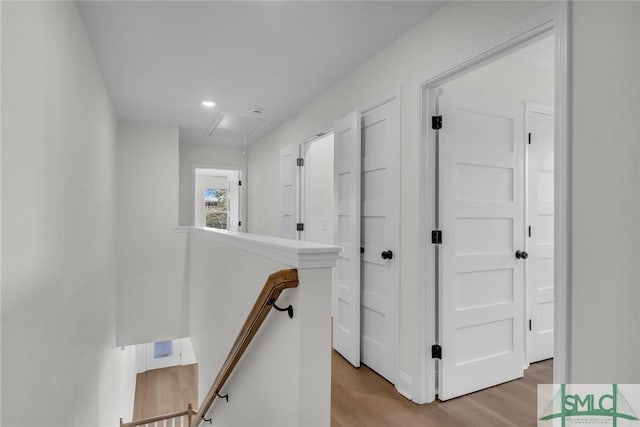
column 540, row 282
column 289, row 191
column 346, row 298
column 380, row 239
column 481, row 283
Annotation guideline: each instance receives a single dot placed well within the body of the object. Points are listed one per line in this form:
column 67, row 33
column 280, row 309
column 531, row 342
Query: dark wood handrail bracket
column 276, row 283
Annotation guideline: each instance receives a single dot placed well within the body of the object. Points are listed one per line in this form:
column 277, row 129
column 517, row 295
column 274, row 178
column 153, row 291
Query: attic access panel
column 230, row 126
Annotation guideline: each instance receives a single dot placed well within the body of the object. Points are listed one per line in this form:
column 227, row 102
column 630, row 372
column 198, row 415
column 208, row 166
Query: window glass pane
column 215, row 207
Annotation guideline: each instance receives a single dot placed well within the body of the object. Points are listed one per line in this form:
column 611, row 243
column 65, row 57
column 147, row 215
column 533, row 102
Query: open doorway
column 317, row 202
column 494, row 219
column 306, row 190
column 217, row 198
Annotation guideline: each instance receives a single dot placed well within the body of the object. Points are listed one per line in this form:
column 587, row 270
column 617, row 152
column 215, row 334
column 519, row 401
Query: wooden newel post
column 190, row 413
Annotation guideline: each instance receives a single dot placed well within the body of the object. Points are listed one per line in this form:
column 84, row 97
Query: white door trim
column 553, row 19
column 242, row 198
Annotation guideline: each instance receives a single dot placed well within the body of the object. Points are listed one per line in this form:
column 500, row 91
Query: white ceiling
column 161, row 59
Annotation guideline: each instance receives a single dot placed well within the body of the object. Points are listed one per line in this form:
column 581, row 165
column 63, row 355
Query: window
column 216, row 207
column 217, row 195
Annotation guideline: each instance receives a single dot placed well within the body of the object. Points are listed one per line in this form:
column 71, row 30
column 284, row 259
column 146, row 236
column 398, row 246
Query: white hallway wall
column 509, row 78
column 454, row 29
column 151, row 257
column 606, row 172
column 203, row 155
column 58, row 222
column 0, row 218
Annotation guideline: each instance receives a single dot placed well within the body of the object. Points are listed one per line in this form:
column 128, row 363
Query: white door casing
column 481, row 283
column 233, row 214
column 346, row 298
column 380, row 227
column 289, row 191
column 540, row 217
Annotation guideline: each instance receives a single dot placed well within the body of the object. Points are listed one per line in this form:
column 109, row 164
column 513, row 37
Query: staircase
column 275, row 285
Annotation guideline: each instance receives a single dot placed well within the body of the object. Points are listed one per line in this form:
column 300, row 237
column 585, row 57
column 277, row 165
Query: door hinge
column 300, row 161
column 300, row 226
column 436, row 122
column 436, row 237
column 529, row 231
column 436, row 351
column 529, row 136
column 239, row 223
column 530, row 325
column 239, row 183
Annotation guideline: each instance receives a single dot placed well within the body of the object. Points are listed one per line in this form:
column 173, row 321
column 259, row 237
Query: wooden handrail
column 189, row 413
column 276, row 283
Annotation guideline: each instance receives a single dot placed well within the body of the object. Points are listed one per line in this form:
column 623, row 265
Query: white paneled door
column 346, row 298
column 289, row 191
column 380, row 239
column 481, row 258
column 540, row 277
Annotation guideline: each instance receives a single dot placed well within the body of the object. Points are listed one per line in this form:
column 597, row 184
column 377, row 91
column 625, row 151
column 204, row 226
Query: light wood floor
column 360, row 397
column 161, row 391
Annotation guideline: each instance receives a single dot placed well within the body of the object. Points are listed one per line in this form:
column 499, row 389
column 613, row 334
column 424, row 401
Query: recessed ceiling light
column 257, row 110
column 208, row 104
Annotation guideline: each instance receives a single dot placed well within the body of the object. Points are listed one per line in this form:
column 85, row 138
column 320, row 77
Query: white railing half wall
column 284, row 378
